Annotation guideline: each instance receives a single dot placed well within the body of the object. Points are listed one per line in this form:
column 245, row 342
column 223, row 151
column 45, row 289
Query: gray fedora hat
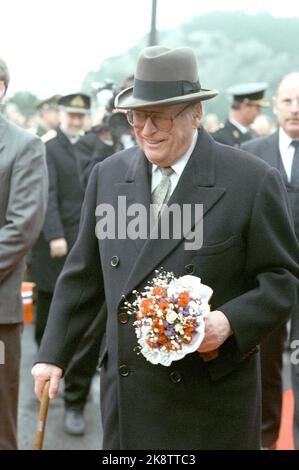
column 164, row 77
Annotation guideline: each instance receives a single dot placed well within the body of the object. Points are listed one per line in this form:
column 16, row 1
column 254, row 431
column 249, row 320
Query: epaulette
column 49, row 135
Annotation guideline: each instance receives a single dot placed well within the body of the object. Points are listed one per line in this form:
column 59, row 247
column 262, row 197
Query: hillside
column 232, row 47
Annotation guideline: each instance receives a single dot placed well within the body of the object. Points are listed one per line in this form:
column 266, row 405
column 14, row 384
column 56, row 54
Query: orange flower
column 188, row 331
column 184, row 299
column 159, row 292
column 147, row 306
column 151, row 344
column 158, row 325
column 162, row 339
column 163, row 305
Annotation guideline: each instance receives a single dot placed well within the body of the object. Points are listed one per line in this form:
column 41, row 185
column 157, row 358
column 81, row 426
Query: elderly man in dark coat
column 281, row 150
column 210, row 399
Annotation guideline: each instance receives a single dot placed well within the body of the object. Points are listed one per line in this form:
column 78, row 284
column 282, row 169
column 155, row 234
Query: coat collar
column 196, row 185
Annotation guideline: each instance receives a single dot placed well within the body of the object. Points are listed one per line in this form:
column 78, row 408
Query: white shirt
column 239, row 126
column 178, row 167
column 72, row 138
column 286, row 151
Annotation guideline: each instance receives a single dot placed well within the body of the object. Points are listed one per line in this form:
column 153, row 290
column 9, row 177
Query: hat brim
column 74, row 110
column 125, row 99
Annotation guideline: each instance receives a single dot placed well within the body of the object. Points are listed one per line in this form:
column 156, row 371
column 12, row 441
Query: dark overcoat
column 62, row 219
column 250, row 259
column 267, row 148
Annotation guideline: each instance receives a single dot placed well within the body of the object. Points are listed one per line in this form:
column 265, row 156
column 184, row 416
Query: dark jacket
column 252, row 269
column 90, row 150
column 231, row 135
column 267, row 148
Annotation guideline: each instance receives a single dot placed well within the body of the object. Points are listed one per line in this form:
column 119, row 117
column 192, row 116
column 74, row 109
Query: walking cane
column 42, row 418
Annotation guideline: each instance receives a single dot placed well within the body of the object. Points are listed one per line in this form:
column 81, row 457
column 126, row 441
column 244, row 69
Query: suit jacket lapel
column 273, row 157
column 196, row 185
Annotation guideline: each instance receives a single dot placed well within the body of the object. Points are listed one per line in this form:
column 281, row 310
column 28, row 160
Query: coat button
column 124, row 370
column 114, row 261
column 123, row 318
column 189, row 269
column 175, row 377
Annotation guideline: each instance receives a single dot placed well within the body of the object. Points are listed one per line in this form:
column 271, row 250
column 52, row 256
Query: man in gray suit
column 23, row 198
column 210, row 399
column 281, row 150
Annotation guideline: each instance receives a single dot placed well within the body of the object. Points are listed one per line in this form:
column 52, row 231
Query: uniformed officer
column 48, row 114
column 246, row 101
column 60, row 232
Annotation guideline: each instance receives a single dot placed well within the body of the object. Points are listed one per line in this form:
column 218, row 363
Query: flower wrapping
column 170, row 316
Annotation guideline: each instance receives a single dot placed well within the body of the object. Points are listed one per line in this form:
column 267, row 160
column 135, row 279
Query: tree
column 25, row 102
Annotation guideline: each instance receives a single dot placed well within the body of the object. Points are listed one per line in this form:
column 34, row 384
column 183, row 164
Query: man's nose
column 149, row 126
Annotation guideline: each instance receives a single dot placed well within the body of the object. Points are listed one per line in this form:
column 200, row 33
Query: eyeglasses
column 162, row 122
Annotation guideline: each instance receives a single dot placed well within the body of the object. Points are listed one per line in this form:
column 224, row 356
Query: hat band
column 155, row 91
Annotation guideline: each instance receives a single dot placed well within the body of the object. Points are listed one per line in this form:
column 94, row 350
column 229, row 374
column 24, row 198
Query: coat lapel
column 136, row 190
column 273, row 157
column 196, row 186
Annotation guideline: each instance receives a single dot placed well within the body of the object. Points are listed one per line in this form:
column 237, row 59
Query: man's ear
column 2, row 89
column 197, row 115
column 274, row 105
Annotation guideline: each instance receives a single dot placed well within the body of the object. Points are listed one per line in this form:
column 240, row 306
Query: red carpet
column 285, row 441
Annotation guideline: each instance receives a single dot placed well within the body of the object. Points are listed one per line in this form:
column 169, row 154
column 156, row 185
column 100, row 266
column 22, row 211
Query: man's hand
column 217, row 330
column 58, row 248
column 42, row 373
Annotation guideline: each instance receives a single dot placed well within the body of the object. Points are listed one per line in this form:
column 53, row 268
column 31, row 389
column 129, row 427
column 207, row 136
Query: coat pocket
column 220, row 247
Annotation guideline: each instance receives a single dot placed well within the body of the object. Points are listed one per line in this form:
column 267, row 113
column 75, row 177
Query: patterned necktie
column 162, row 192
column 295, row 165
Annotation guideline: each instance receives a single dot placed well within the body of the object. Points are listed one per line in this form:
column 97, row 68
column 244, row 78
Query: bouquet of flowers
column 170, row 316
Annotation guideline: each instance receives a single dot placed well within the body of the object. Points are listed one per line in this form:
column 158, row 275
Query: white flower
column 192, row 285
column 179, row 329
column 171, row 316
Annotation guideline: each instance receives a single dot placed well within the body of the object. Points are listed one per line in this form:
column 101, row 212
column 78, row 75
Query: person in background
column 246, row 101
column 57, row 238
column 211, row 123
column 23, row 200
column 262, row 126
column 281, row 151
column 48, row 114
column 13, row 114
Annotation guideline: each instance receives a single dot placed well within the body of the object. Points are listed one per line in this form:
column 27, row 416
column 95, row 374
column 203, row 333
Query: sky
column 50, row 45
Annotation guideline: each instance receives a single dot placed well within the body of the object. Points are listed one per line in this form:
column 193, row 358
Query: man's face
column 251, row 111
column 286, row 106
column 72, row 123
column 50, row 117
column 163, row 147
